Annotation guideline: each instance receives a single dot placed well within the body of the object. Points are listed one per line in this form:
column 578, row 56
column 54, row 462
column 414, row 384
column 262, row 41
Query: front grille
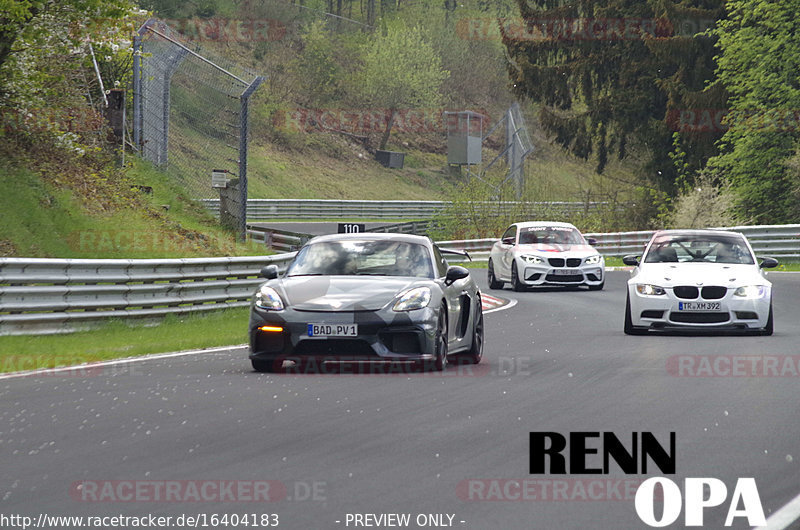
column 699, row 318
column 746, row 315
column 343, row 347
column 686, row 291
column 556, row 262
column 574, row 262
column 572, row 278
column 652, row 314
column 714, row 292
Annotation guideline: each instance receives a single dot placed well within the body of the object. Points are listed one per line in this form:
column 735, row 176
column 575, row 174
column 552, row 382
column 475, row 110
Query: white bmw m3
column 698, row 279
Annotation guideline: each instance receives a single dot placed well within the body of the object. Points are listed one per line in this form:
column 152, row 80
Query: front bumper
column 546, row 274
column 383, row 335
column 664, row 312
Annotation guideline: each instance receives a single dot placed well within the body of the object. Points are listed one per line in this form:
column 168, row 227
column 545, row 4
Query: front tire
column 494, row 283
column 440, row 363
column 266, row 366
column 629, row 329
column 598, row 287
column 516, row 284
column 768, row 329
column 475, row 352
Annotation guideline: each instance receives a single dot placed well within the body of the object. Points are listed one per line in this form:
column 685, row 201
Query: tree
column 401, row 69
column 31, row 29
column 759, row 64
column 610, row 71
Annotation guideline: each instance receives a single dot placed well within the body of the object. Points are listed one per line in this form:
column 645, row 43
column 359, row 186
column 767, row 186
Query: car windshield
column 550, row 235
column 679, row 248
column 371, row 258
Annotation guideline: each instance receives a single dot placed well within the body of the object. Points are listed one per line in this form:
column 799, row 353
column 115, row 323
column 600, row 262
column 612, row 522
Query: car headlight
column 751, row 291
column 531, row 260
column 591, row 260
column 415, row 298
column 268, row 298
column 650, row 290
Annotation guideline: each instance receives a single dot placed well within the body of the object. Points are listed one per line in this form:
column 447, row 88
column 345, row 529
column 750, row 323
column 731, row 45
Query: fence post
column 243, row 133
column 137, row 90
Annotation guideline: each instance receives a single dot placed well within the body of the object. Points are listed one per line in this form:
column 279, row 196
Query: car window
column 550, row 235
column 375, row 258
column 679, row 248
column 440, row 263
column 511, row 232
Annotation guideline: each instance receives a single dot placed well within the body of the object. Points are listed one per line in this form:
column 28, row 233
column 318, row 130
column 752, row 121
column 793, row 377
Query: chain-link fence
column 191, row 114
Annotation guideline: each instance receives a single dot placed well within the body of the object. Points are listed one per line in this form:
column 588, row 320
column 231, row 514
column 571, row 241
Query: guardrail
column 280, row 240
column 310, row 209
column 65, row 295
column 778, row 241
column 286, row 241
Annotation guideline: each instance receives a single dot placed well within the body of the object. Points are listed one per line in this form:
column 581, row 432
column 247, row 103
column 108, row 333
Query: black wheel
column 516, row 284
column 268, row 365
column 629, row 328
column 768, row 329
column 440, row 363
column 475, row 353
column 598, row 287
column 494, row 283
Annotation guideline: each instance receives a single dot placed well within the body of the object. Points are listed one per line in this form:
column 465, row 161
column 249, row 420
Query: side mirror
column 769, row 263
column 592, row 241
column 270, row 272
column 455, row 273
column 507, row 240
column 631, row 260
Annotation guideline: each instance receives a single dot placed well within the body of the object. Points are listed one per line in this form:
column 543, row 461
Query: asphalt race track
column 338, row 444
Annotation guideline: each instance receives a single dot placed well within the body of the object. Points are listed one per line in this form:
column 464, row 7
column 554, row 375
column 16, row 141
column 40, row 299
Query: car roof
column 526, row 224
column 373, row 236
column 698, row 232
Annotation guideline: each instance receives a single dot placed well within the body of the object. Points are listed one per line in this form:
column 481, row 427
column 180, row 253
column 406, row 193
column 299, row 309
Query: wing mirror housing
column 270, row 272
column 455, row 273
column 769, row 263
column 631, row 260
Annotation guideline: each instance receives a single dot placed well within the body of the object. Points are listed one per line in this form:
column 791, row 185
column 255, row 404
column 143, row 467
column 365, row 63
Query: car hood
column 343, row 293
column 578, row 251
column 669, row 274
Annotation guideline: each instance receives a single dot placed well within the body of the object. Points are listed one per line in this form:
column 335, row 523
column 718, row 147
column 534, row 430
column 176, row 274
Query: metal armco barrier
column 64, row 295
column 778, row 241
column 310, row 209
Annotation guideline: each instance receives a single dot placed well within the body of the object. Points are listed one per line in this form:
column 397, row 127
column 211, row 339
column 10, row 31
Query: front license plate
column 699, row 306
column 333, row 330
column 564, row 272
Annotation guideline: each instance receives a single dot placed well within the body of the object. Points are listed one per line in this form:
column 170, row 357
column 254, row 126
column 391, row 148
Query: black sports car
column 367, row 297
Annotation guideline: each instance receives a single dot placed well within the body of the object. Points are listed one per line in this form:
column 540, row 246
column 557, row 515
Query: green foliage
column 600, row 92
column 759, row 65
column 706, row 204
column 401, row 69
